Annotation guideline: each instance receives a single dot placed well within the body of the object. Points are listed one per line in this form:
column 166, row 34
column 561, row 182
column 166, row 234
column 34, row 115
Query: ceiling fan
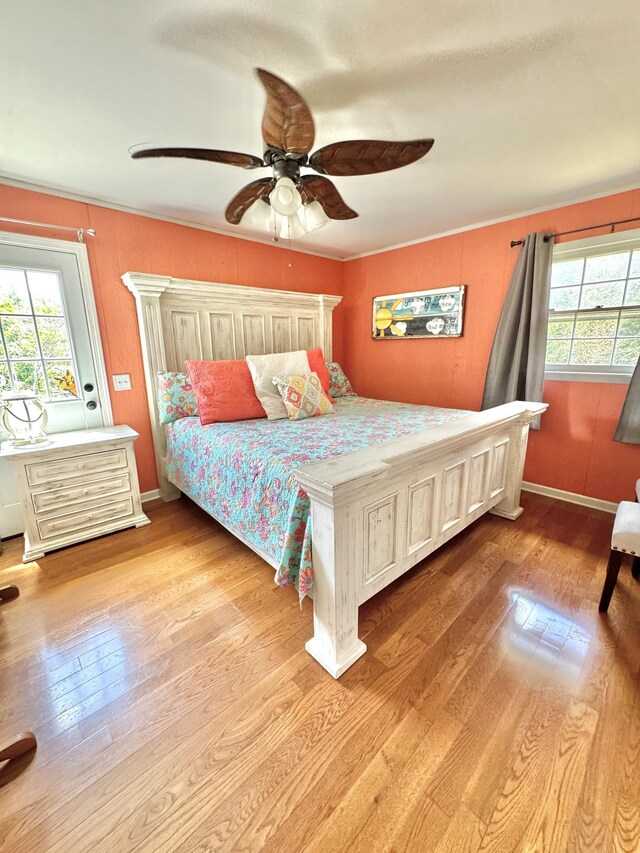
column 287, row 202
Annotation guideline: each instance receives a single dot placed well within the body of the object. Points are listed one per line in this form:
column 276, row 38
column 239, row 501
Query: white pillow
column 264, row 367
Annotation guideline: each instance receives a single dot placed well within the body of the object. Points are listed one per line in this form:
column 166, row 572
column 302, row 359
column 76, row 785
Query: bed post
column 509, row 507
column 147, row 295
column 335, row 644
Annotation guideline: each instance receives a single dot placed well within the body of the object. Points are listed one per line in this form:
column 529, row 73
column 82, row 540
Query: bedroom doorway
column 49, row 343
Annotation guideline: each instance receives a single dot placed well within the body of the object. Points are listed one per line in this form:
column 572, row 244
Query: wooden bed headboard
column 181, row 319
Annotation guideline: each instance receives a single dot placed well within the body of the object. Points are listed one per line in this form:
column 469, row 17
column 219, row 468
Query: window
column 594, row 309
column 35, row 346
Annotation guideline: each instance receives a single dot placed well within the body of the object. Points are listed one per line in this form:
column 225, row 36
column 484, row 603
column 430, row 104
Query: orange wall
column 126, row 242
column 573, row 450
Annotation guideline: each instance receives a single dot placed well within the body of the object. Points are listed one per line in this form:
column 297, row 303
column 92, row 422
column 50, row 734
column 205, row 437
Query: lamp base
column 26, row 442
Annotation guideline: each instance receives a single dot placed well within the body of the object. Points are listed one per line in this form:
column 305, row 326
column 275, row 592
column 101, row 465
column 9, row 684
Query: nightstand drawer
column 57, row 501
column 74, row 466
column 90, row 517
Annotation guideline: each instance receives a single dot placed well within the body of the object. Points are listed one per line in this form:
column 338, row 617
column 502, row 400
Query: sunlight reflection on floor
column 544, row 641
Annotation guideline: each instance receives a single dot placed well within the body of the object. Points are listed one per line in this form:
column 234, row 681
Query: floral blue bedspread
column 242, row 473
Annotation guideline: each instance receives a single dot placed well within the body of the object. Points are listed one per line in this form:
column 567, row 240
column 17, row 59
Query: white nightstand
column 77, row 486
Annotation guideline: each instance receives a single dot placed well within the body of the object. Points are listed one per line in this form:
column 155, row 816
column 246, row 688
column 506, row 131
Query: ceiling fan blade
column 367, row 156
column 243, row 200
column 287, row 122
column 229, row 158
column 322, row 190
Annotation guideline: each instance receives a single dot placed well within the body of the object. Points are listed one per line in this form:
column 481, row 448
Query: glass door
column 46, row 346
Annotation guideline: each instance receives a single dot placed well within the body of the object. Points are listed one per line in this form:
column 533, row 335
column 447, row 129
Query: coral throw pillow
column 340, row 385
column 175, row 397
column 303, row 396
column 224, row 391
column 317, row 365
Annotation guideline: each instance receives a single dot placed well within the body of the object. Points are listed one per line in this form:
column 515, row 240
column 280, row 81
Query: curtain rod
column 80, row 232
column 611, row 225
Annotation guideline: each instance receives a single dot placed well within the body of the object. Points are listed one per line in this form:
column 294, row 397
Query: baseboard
column 153, row 495
column 570, row 497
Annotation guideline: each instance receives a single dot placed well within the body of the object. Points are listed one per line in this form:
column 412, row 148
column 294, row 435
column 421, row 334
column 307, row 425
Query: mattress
column 243, row 473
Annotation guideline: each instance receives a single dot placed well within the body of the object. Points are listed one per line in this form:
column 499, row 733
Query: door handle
column 92, row 405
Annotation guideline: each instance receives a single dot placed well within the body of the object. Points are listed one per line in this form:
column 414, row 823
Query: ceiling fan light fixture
column 285, row 198
column 260, row 214
column 315, row 217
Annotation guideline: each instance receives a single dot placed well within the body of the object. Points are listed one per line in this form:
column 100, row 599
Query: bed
column 340, row 525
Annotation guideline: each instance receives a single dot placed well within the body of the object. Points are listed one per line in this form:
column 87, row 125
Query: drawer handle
column 85, row 491
column 89, row 517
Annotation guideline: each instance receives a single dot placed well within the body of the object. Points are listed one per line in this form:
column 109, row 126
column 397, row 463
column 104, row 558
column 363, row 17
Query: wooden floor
column 176, row 709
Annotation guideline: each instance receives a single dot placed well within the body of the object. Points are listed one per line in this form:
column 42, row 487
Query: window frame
column 605, row 244
column 40, row 358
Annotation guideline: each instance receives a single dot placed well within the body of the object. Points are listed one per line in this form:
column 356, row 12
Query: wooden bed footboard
column 379, row 511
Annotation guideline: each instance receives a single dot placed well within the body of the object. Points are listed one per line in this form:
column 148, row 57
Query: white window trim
column 621, row 241
column 80, row 251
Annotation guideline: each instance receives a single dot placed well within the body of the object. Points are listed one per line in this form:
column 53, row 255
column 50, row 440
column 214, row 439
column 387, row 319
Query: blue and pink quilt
column 242, row 473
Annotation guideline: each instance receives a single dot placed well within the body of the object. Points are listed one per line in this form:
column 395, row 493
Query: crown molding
column 487, row 222
column 54, row 191
column 134, row 211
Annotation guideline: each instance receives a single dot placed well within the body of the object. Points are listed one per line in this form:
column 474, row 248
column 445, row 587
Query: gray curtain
column 516, row 364
column 629, row 424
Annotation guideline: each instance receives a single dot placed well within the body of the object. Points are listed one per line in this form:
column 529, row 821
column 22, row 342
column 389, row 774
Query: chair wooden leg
column 24, row 742
column 7, row 593
column 613, row 567
column 635, row 568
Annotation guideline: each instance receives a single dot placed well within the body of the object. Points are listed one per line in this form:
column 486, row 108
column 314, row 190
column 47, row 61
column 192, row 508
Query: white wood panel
column 421, row 514
column 452, row 494
column 223, row 336
column 254, row 339
column 307, row 333
column 479, row 467
column 499, row 467
column 281, row 333
column 381, row 528
column 187, row 341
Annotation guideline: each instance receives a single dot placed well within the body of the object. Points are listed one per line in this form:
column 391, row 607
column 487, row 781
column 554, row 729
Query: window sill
column 584, row 376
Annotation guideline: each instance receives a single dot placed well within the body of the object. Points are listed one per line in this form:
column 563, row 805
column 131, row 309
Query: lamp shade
column 285, row 198
column 291, row 227
column 315, row 217
column 260, row 214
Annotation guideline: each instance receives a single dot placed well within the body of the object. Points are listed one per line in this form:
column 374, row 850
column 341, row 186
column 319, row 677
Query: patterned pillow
column 340, row 385
column 175, row 397
column 303, row 396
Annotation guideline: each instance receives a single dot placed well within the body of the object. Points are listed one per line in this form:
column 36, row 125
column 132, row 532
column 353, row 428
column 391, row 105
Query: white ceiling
column 531, row 104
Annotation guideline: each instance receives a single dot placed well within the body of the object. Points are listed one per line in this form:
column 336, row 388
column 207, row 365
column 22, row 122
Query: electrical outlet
column 121, row 381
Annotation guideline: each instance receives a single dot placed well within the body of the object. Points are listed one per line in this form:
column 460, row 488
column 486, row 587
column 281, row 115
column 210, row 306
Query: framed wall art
column 420, row 314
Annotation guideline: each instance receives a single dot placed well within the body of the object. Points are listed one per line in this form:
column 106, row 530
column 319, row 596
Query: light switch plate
column 121, row 381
